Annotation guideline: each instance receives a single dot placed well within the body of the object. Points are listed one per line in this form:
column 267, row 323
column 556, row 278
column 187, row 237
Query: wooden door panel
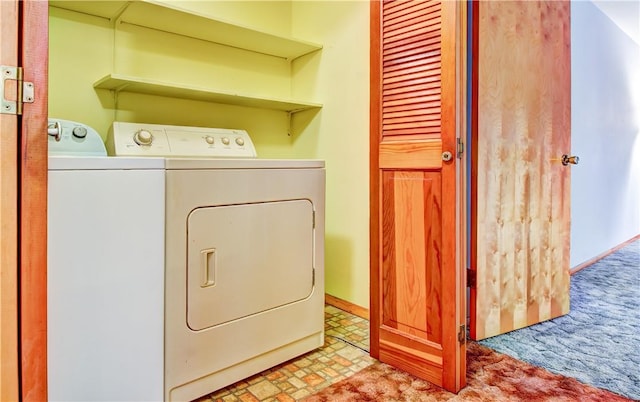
column 522, row 216
column 412, row 248
column 411, row 322
column 416, row 273
column 411, row 154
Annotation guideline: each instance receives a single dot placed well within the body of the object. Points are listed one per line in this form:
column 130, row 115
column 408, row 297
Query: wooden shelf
column 170, row 17
column 122, row 83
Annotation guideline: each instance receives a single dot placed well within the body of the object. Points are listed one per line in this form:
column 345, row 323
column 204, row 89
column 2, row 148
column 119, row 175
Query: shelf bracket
column 118, row 15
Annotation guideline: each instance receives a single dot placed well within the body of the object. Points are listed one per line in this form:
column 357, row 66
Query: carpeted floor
column 580, row 357
column 491, row 376
column 598, row 342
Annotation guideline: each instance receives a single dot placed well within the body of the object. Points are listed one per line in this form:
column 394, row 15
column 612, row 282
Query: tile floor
column 345, row 352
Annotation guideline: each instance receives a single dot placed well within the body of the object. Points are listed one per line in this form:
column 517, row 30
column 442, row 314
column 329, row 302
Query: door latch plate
column 25, row 91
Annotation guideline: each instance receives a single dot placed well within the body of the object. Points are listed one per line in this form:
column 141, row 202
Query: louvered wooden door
column 522, row 192
column 417, row 297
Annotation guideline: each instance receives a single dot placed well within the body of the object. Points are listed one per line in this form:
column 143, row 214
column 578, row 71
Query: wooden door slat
column 411, row 35
column 413, row 73
column 422, row 64
column 394, row 8
column 410, row 22
column 414, row 80
column 414, row 106
column 414, row 118
column 411, row 89
column 426, row 37
column 411, row 92
column 408, row 10
column 421, row 45
column 407, row 112
column 417, row 99
column 425, row 133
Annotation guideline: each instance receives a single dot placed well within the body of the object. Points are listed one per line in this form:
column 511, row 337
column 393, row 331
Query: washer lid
column 222, row 163
column 103, row 163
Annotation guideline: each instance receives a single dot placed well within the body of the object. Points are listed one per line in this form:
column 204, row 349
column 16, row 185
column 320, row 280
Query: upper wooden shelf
column 170, row 17
column 122, row 83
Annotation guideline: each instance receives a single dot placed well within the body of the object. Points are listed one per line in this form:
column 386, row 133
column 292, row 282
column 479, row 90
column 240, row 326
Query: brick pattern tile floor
column 344, row 353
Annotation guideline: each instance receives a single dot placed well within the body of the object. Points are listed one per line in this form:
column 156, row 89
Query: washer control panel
column 138, row 139
column 70, row 138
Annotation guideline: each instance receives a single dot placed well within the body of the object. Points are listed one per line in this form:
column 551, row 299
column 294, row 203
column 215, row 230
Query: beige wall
column 84, row 48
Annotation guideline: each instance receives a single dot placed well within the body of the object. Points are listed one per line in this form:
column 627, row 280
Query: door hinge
column 462, row 334
column 313, row 222
column 471, row 278
column 24, row 92
column 313, row 277
column 460, row 148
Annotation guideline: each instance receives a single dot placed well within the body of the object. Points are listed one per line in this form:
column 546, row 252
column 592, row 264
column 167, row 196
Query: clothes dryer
column 244, row 254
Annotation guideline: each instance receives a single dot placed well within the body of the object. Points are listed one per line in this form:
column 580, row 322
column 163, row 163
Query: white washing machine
column 244, row 254
column 105, row 275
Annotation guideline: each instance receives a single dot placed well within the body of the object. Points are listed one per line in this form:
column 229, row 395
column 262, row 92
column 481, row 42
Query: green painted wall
column 85, row 48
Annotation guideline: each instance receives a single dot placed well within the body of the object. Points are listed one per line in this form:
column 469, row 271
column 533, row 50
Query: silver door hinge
column 460, row 148
column 24, row 93
column 462, row 334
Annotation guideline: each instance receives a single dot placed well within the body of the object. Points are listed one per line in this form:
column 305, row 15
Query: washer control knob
column 209, row 139
column 240, row 141
column 55, row 130
column 79, row 132
column 143, row 137
column 225, row 140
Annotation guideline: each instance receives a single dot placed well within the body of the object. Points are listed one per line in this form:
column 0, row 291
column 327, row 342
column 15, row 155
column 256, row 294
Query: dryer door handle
column 208, row 262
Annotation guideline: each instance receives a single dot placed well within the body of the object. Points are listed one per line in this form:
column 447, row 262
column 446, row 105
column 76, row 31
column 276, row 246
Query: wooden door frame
column 9, row 340
column 23, row 187
column 33, row 203
column 375, row 126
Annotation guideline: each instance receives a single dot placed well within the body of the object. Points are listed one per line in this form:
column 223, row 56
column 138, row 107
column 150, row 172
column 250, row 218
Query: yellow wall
column 80, row 50
column 84, row 48
column 339, row 78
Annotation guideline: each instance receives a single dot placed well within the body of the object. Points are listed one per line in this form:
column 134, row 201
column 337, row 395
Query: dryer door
column 247, row 259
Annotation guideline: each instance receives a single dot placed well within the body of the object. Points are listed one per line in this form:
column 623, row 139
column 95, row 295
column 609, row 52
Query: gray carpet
column 598, row 342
